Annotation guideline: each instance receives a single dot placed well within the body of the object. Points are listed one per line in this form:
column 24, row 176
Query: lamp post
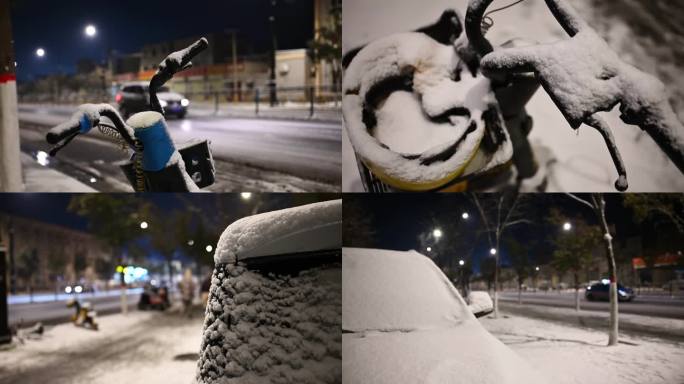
column 143, row 225
column 273, row 97
column 437, row 233
column 465, row 215
column 567, row 226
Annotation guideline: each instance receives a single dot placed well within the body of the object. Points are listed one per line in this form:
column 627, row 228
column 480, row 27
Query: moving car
column 275, row 302
column 134, row 97
column 601, row 291
column 404, row 322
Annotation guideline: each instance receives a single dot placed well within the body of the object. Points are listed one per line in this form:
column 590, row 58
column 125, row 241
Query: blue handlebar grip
column 84, row 124
column 158, row 146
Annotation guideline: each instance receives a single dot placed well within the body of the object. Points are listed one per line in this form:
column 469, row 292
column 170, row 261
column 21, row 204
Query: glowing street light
column 90, row 30
column 143, row 225
column 536, row 269
column 461, row 262
column 465, row 215
column 191, row 242
column 437, row 233
column 246, row 195
column 209, row 248
column 567, row 226
column 492, row 251
column 40, row 52
column 429, row 249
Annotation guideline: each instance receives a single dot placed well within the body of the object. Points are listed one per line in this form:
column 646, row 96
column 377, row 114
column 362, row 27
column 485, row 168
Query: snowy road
column 251, row 154
column 642, row 305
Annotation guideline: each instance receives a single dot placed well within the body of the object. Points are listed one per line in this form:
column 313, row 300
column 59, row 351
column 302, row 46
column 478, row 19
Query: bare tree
column 518, row 253
column 499, row 212
column 597, row 204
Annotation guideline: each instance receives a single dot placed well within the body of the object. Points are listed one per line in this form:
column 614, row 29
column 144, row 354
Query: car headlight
column 67, row 289
column 185, row 102
column 78, row 289
column 163, row 103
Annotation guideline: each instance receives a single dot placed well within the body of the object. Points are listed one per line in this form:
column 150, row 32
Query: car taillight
column 118, row 97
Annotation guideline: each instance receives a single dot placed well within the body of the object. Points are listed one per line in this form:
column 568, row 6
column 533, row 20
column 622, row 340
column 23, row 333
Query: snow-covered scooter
column 84, row 315
column 459, row 84
column 156, row 165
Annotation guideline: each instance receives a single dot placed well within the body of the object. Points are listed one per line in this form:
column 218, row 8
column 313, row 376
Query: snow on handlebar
column 84, row 119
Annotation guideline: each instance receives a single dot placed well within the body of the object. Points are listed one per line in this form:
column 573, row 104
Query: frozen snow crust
column 274, row 329
column 306, row 228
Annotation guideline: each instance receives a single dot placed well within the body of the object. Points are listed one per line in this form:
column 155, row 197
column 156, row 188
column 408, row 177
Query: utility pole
column 5, row 334
column 10, row 164
column 236, row 92
column 274, row 40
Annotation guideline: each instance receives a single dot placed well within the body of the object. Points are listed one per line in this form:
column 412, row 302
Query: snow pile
column 274, row 329
column 571, row 355
column 310, row 227
column 391, row 290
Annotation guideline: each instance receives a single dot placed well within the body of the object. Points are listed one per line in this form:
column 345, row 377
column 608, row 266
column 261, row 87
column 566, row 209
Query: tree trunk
column 519, row 292
column 577, row 298
column 600, row 205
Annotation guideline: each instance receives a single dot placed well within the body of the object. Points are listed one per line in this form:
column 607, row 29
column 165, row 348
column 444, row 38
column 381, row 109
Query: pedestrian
column 187, row 290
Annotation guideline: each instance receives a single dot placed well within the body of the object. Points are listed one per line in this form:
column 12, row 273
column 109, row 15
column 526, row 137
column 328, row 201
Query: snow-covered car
column 134, row 97
column 404, row 322
column 275, row 302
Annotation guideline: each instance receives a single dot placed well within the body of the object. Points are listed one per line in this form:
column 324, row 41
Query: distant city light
column 465, row 215
column 536, row 269
column 461, row 262
column 567, row 226
column 40, row 52
column 437, row 233
column 143, row 225
column 246, row 195
column 191, row 242
column 429, row 249
column 90, row 30
column 492, row 251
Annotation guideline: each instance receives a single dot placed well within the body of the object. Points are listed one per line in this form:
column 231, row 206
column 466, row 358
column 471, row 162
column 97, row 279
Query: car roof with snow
column 307, row 229
column 404, row 322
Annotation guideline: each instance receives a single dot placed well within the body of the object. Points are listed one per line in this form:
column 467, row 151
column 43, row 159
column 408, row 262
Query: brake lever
column 62, row 144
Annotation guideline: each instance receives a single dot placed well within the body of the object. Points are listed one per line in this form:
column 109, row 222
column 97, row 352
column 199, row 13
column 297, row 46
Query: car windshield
column 396, row 291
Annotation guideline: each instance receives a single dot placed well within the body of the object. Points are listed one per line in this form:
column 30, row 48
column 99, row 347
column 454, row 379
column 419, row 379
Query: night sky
column 126, row 25
column 399, row 218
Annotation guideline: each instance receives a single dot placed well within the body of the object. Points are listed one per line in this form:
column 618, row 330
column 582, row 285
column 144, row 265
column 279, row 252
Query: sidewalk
column 141, row 347
column 572, row 355
column 39, row 178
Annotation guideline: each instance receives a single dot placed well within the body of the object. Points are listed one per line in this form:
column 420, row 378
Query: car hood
column 466, row 353
column 169, row 96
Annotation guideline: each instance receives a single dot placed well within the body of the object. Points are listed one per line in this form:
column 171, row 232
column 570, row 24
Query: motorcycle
column 84, row 315
column 456, row 80
column 157, row 163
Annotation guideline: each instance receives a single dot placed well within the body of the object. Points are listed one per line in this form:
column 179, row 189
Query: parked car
column 275, row 302
column 134, row 97
column 404, row 322
column 601, row 291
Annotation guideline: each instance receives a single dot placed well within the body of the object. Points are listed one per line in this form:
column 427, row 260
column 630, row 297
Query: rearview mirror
column 480, row 304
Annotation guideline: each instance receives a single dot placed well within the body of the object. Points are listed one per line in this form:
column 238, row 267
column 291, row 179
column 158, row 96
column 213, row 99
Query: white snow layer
column 480, row 301
column 276, row 329
column 391, row 290
column 305, row 228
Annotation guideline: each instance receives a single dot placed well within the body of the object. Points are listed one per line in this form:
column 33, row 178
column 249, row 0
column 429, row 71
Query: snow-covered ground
column 571, row 355
column 577, row 161
column 141, row 347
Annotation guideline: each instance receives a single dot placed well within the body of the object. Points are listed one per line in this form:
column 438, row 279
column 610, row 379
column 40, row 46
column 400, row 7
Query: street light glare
column 567, row 226
column 246, row 195
column 143, row 225
column 461, row 262
column 90, row 30
column 191, row 242
column 209, row 248
column 437, row 233
column 465, row 215
column 429, row 249
column 492, row 251
column 40, row 52
column 536, row 268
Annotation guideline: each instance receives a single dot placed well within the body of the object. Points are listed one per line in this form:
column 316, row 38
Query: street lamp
column 437, row 233
column 461, row 262
column 209, row 248
column 40, row 52
column 246, row 195
column 429, row 249
column 492, row 251
column 90, row 30
column 191, row 242
column 465, row 215
column 567, row 226
column 536, row 269
column 143, row 225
